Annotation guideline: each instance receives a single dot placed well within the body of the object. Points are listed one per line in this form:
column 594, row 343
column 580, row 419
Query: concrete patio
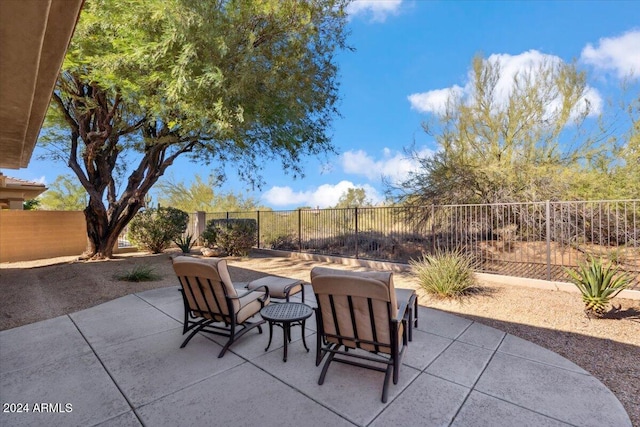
column 119, row 364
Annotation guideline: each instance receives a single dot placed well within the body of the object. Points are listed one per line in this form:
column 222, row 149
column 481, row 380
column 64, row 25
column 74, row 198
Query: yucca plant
column 599, row 283
column 445, row 274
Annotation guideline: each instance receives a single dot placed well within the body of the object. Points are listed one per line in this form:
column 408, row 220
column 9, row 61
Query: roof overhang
column 13, row 191
column 34, row 36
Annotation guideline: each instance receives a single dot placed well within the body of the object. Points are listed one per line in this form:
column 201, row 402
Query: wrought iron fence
column 533, row 240
column 123, row 239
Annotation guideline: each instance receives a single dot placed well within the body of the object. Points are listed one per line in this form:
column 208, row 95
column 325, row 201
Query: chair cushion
column 250, row 306
column 277, row 285
column 337, row 290
column 190, row 270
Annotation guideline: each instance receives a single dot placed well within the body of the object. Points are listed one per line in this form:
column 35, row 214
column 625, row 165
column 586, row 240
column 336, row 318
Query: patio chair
column 209, row 297
column 359, row 312
column 407, row 296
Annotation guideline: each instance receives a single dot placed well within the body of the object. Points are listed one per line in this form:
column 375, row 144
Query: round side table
column 285, row 315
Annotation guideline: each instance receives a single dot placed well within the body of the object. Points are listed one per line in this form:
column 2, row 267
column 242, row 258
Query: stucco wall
column 31, row 235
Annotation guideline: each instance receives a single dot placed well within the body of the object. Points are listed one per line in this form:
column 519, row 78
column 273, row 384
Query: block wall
column 32, row 235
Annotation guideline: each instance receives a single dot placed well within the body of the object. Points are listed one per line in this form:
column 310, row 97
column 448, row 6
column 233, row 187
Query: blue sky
column 409, row 55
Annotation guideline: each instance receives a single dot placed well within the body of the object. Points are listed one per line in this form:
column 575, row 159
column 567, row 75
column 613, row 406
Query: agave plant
column 599, row 283
column 185, row 243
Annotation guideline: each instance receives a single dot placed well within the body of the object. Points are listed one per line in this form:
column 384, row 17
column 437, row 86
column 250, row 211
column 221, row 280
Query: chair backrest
column 385, row 277
column 355, row 309
column 206, row 285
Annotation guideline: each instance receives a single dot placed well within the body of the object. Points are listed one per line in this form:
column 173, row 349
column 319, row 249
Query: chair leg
column 191, row 335
column 396, row 369
column 197, row 328
column 411, row 319
column 318, row 349
column 325, row 367
column 232, row 338
column 236, row 336
column 387, row 377
column 185, row 324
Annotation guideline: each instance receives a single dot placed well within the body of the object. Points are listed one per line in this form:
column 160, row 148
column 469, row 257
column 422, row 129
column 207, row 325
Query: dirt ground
column 609, row 348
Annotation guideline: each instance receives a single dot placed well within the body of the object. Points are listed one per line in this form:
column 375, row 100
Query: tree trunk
column 103, row 232
column 101, row 238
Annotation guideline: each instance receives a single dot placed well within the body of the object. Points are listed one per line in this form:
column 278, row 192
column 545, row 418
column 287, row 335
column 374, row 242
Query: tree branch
column 68, row 118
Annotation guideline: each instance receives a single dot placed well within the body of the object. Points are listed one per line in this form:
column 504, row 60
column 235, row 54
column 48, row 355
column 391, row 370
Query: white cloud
column 379, row 9
column 324, row 196
column 434, row 101
column 620, row 54
column 394, row 166
column 283, row 196
column 512, row 68
column 517, row 66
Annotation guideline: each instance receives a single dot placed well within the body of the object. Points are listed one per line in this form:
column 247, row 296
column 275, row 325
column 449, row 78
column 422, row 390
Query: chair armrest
column 258, row 289
column 402, row 310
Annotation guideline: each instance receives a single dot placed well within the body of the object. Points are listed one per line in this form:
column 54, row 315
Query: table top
column 286, row 311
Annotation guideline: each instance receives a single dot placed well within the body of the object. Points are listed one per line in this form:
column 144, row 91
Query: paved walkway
column 119, row 364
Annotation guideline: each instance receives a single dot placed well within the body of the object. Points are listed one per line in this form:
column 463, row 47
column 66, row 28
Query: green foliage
column 219, row 82
column 445, row 274
column 353, row 198
column 210, row 234
column 599, row 283
column 31, row 205
column 154, row 229
column 236, row 236
column 538, row 143
column 64, row 194
column 201, row 196
column 185, row 243
column 139, row 273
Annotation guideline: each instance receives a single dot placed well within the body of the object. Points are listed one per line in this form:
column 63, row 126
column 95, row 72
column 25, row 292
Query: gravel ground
column 608, row 348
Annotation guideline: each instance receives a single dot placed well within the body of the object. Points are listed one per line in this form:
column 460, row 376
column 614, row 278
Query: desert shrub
column 209, row 234
column 283, row 242
column 155, row 229
column 599, row 283
column 445, row 273
column 139, row 273
column 236, row 236
column 185, row 243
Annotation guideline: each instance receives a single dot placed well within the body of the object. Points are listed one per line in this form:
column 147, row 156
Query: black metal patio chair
column 211, row 302
column 359, row 313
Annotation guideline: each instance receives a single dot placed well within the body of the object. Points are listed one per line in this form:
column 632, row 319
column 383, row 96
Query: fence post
column 433, row 229
column 200, row 224
column 548, row 222
column 258, row 226
column 356, row 225
column 299, row 230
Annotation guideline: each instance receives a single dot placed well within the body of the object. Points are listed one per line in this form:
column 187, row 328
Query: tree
column 532, row 144
column 201, row 196
column 64, row 194
column 31, row 205
column 145, row 82
column 614, row 173
column 353, row 198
